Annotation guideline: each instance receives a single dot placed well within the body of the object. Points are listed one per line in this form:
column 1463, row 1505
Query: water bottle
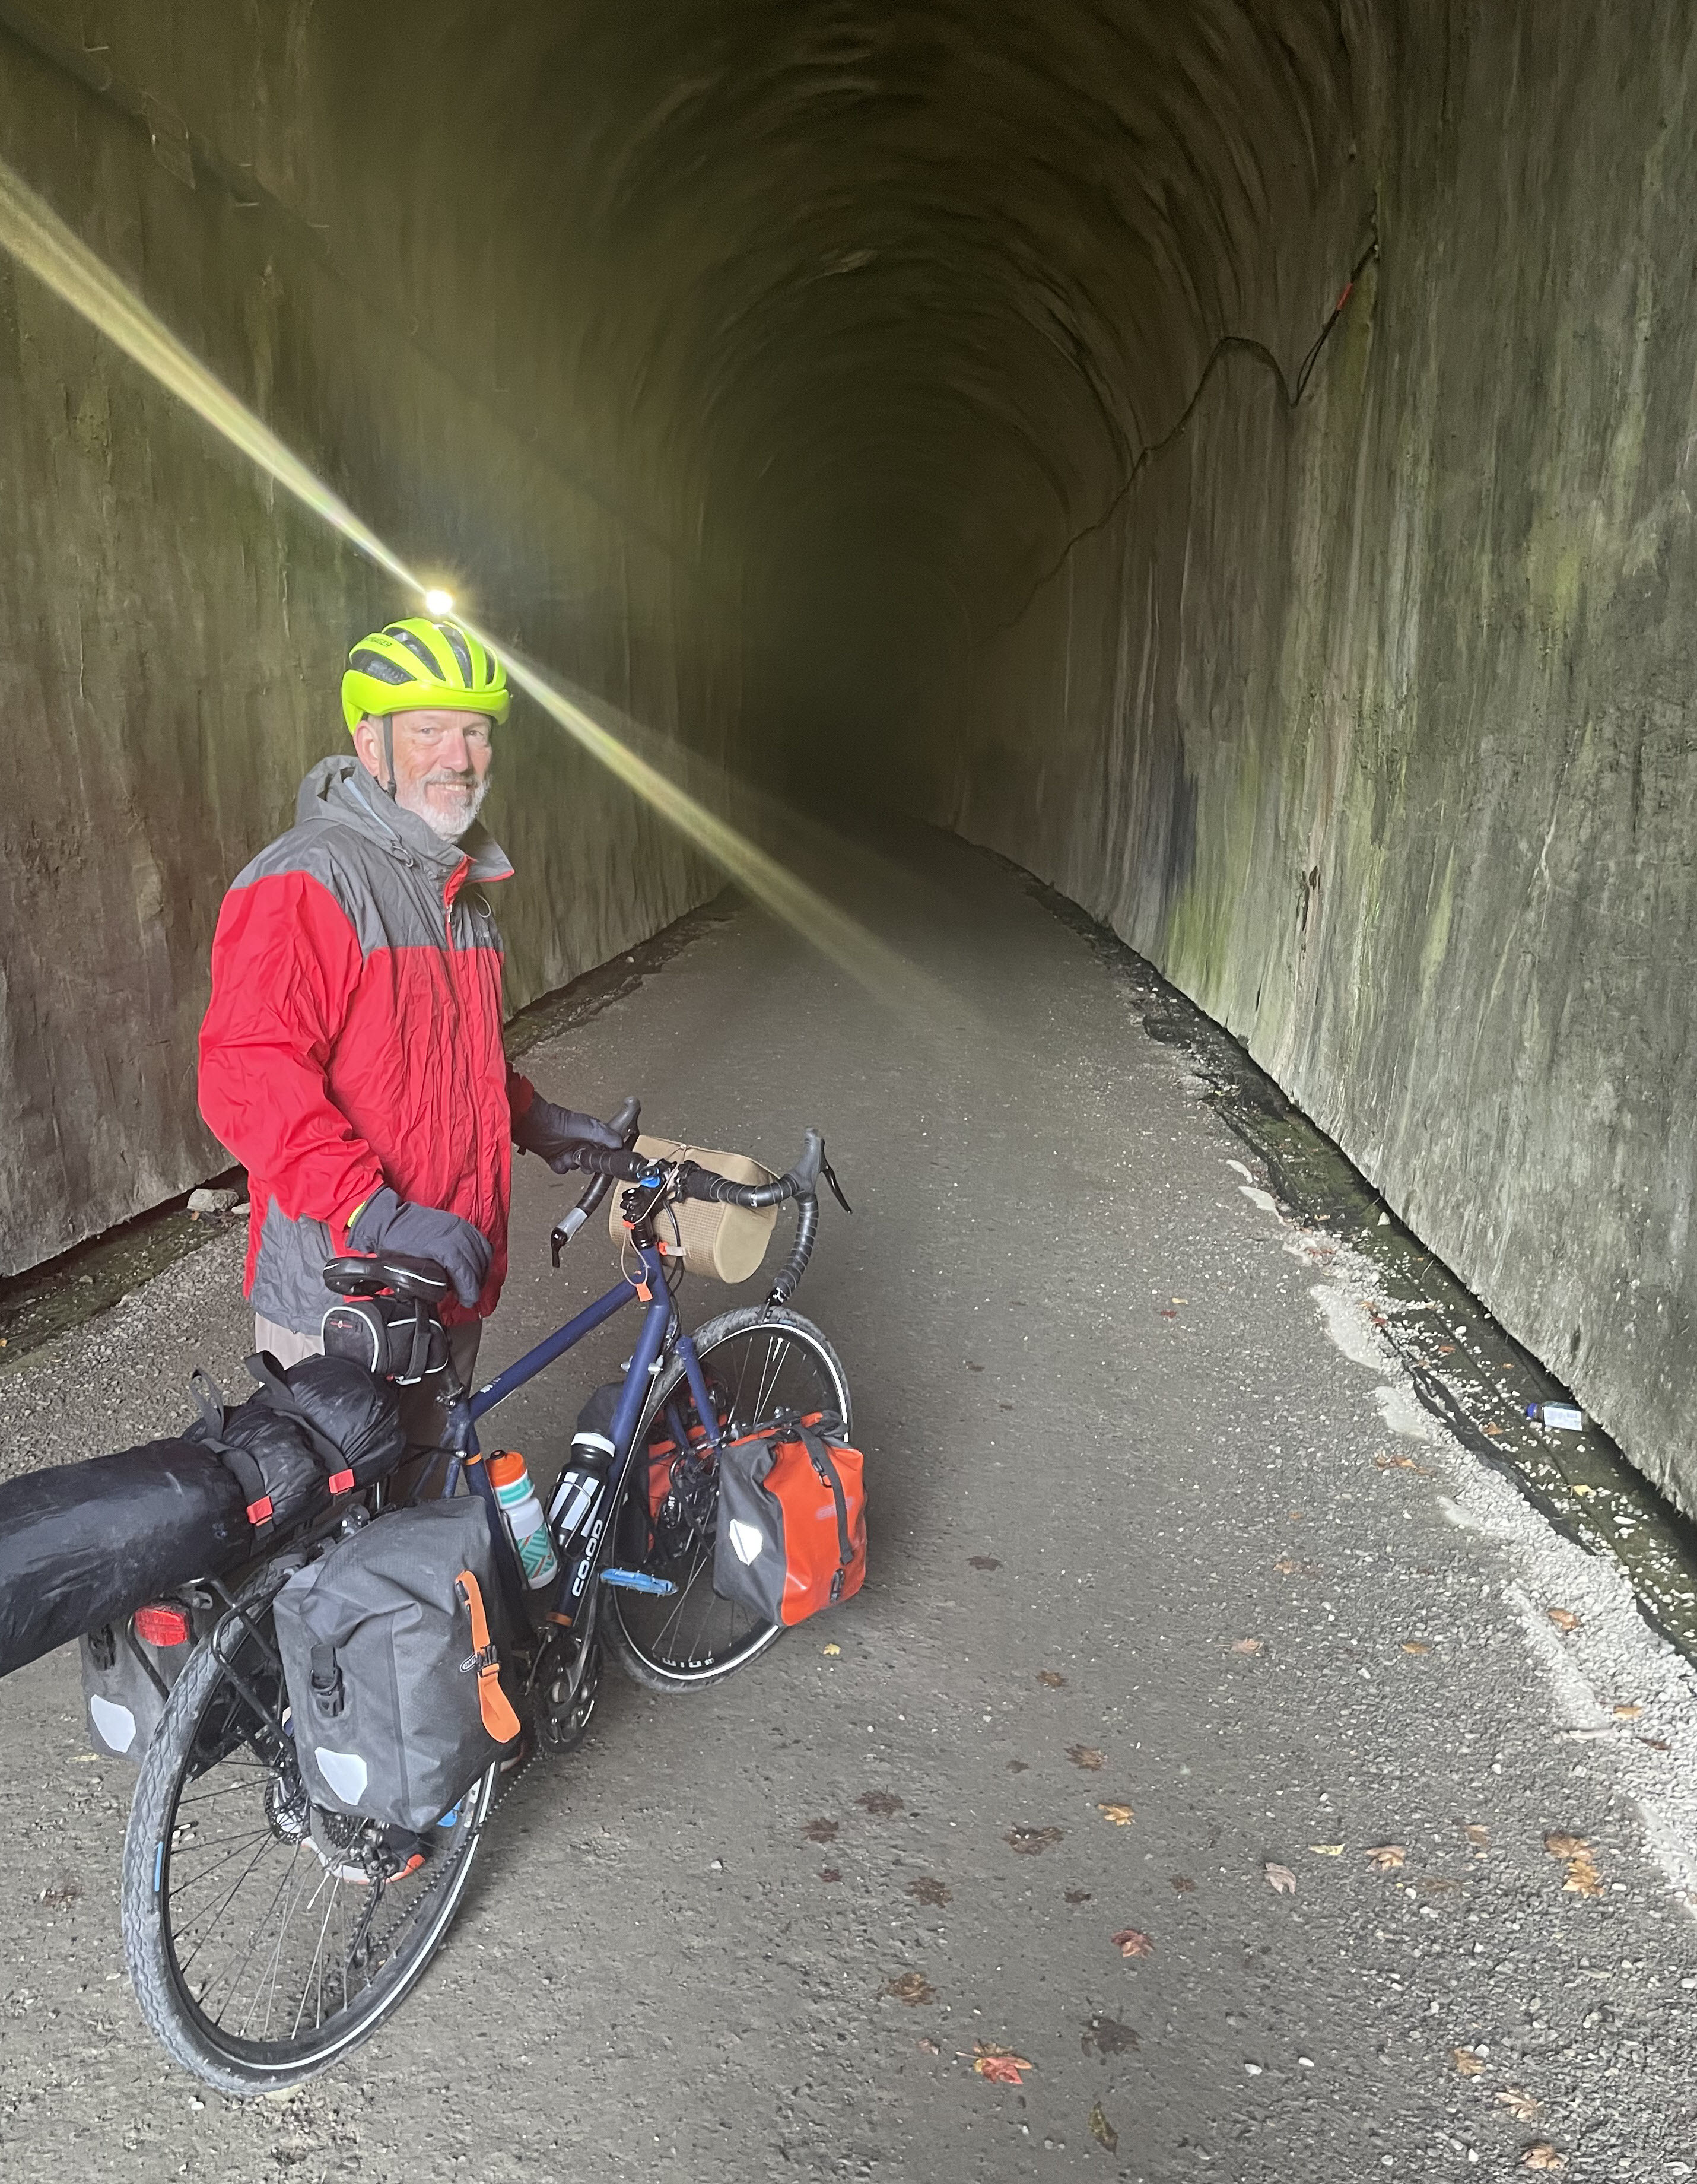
column 576, row 1515
column 510, row 1478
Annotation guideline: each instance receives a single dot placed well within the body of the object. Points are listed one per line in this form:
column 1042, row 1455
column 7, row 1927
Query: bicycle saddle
column 398, row 1273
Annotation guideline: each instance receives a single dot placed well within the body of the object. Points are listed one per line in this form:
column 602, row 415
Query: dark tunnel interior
column 1230, row 458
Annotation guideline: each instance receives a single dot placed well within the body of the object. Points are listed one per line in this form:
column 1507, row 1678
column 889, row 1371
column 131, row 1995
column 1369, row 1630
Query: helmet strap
column 388, row 785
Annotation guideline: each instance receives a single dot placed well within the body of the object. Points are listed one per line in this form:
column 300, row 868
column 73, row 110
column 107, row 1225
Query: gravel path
column 1184, row 1622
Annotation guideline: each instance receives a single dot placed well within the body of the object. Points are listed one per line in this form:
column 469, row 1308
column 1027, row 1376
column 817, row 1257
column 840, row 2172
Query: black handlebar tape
column 806, row 1230
column 623, row 1119
column 602, row 1160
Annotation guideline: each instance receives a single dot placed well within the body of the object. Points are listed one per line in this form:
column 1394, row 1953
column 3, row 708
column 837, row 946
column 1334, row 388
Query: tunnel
column 1229, row 459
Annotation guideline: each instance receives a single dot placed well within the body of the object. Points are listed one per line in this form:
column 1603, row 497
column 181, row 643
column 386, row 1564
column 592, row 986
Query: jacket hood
column 339, row 791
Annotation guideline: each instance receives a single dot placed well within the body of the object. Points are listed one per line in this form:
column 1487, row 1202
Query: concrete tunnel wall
column 705, row 342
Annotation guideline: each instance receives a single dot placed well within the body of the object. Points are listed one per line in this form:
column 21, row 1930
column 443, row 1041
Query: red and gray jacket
column 354, row 1036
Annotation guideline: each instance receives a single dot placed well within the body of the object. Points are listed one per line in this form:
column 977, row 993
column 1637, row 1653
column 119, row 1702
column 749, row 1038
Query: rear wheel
column 761, row 1365
column 266, row 1937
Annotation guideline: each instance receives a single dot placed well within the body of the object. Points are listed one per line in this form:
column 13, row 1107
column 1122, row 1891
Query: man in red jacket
column 352, row 1056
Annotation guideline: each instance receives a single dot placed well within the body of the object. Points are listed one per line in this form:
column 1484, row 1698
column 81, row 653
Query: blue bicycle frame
column 463, row 1441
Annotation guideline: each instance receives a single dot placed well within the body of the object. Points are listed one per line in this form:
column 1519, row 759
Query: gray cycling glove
column 550, row 1132
column 387, row 1223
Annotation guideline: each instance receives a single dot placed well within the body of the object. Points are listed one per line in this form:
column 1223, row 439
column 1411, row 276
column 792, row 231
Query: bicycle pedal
column 638, row 1581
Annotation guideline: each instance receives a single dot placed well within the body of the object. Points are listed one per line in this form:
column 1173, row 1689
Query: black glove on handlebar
column 460, row 1248
column 550, row 1132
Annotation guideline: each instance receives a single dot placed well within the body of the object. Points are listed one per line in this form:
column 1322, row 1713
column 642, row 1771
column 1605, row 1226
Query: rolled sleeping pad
column 84, row 1543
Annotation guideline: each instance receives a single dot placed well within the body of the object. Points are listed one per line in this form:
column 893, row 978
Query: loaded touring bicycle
column 334, row 1652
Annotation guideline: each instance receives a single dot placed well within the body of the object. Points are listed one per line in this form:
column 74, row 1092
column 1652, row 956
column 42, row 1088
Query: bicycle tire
column 637, row 1651
column 154, row 1843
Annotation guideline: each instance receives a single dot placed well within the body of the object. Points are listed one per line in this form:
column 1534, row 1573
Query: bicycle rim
column 760, row 1366
column 265, row 1938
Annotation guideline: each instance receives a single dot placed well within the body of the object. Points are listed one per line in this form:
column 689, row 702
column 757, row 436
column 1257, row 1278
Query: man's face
column 441, row 764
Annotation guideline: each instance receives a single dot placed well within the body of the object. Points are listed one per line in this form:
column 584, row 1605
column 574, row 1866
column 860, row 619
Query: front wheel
column 761, row 1364
column 266, row 1937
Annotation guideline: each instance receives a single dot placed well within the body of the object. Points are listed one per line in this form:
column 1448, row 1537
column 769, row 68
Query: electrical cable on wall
column 1247, row 345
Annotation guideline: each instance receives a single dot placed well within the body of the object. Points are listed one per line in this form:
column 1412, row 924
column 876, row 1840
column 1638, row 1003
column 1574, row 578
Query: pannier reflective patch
column 344, row 1771
column 747, row 1539
column 116, row 1723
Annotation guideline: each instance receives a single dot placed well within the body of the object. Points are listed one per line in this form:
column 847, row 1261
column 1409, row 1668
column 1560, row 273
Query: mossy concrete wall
column 172, row 631
column 1372, row 722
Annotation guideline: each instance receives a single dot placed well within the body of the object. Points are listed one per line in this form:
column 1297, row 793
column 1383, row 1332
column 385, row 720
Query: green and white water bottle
column 510, row 1476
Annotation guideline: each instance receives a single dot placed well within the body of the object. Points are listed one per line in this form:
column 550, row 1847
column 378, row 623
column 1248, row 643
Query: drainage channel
column 63, row 1293
column 1471, row 1374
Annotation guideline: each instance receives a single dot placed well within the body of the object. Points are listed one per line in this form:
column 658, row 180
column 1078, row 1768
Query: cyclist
column 351, row 1057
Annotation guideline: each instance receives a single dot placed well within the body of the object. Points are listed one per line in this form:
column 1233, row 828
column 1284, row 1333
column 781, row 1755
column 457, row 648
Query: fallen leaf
column 1281, row 1879
column 927, row 2046
column 1077, row 1896
column 912, row 1988
column 1031, row 1842
column 1000, row 2066
column 982, row 1561
column 882, row 1804
column 1106, row 2035
column 1018, row 1767
column 1386, row 1858
column 1327, row 1850
column 1467, row 2061
column 1542, row 2155
column 1578, row 1856
column 1415, row 1645
column 1395, row 1462
column 928, row 1890
column 820, row 1831
column 1564, row 1619
column 1285, row 1566
column 1050, row 1680
column 1476, row 1834
column 1131, row 1943
column 1102, row 2130
column 1086, row 1755
column 1168, row 1315
column 1248, row 1645
column 1183, row 1884
column 1654, row 1743
column 832, row 1649
column 1518, row 2100
column 1628, row 1711
column 1446, row 1350
column 1495, row 1431
column 831, row 1873
column 1120, row 1815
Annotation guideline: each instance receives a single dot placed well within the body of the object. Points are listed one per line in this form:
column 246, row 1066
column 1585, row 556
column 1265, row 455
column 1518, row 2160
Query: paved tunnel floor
column 1175, row 1599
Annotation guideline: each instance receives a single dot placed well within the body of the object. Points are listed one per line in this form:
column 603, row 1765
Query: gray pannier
column 394, row 1679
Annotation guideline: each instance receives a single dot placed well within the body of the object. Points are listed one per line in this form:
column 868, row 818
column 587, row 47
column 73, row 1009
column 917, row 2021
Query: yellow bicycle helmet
column 416, row 666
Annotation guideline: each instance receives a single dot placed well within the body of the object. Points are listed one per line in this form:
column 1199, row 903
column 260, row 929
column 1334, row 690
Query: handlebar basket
column 725, row 1242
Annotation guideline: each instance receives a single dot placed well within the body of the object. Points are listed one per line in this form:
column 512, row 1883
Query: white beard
column 449, row 826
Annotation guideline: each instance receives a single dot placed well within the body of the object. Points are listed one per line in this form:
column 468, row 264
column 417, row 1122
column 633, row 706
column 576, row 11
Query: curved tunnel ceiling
column 901, row 287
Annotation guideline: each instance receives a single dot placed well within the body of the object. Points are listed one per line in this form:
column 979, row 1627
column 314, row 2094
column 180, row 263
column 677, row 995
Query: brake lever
column 830, row 1174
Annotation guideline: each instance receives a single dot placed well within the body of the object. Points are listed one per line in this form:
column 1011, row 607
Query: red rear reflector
column 340, row 1481
column 161, row 1625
